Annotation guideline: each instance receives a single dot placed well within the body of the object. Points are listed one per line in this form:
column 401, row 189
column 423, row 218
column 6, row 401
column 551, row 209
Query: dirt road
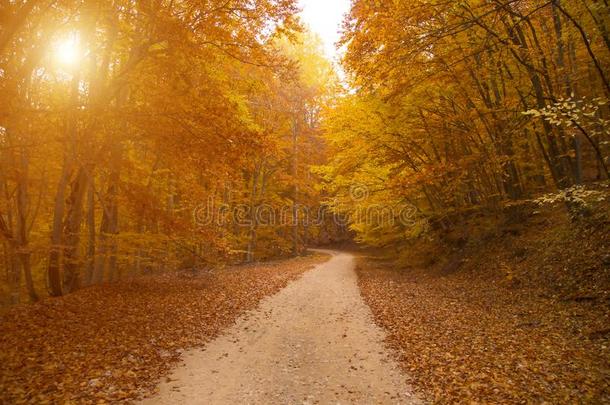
column 313, row 342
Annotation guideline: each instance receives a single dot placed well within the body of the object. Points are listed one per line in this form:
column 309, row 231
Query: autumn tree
column 119, row 119
column 469, row 106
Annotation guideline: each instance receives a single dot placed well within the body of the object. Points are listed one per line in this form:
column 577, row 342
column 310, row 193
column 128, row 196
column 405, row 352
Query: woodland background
column 470, row 108
column 459, row 109
column 160, row 108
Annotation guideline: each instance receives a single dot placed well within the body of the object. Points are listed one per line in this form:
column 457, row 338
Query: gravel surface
column 313, row 342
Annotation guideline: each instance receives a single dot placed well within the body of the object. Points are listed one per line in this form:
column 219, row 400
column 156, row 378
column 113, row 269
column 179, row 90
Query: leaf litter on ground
column 114, row 342
column 538, row 333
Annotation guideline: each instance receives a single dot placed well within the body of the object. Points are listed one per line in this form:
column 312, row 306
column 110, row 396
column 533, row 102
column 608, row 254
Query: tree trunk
column 6, row 234
column 22, row 233
column 253, row 216
column 295, row 193
column 72, row 228
column 90, row 265
column 57, row 242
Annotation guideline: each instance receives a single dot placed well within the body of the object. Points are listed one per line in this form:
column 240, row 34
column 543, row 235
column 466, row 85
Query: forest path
column 313, row 342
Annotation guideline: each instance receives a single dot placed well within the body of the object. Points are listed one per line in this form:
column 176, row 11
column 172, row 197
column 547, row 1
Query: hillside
column 519, row 314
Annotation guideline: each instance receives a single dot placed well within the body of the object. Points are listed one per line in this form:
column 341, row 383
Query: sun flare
column 67, row 51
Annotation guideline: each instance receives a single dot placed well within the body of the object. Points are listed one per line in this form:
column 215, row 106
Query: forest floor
column 114, row 342
column 519, row 316
column 516, row 314
column 313, row 342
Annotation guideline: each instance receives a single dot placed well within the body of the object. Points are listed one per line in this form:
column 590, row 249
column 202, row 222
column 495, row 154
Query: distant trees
column 470, row 105
column 118, row 119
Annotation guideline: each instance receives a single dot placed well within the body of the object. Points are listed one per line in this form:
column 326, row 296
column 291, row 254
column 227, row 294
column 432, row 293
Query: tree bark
column 90, row 265
column 295, row 192
column 22, row 227
column 72, row 228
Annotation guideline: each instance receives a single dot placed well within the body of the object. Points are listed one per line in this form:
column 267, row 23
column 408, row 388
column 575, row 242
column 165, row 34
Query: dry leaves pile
column 525, row 319
column 114, row 342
